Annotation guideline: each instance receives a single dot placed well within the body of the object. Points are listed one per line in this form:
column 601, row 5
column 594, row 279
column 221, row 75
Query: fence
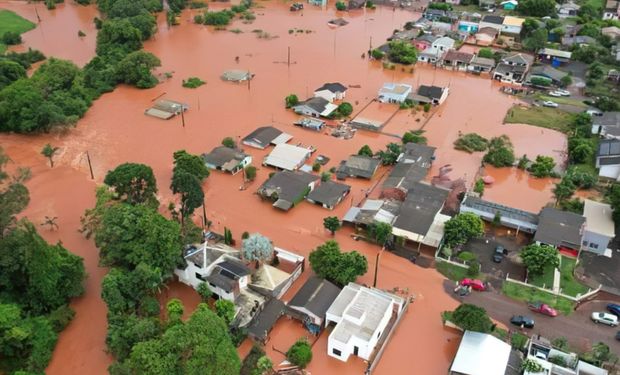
column 559, row 293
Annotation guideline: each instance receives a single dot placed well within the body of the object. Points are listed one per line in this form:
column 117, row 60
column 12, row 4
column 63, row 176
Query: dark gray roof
column 263, row 322
column 548, row 71
column 579, row 39
column 222, row 279
column 329, row 192
column 418, row 153
column 412, row 167
column 289, row 185
column 435, row 12
column 498, row 20
column 559, row 228
column 609, row 161
column 504, row 68
column 505, row 211
column 235, row 267
column 609, row 147
column 432, row 92
column 222, row 155
column 316, row 295
column 263, row 135
column 333, row 87
column 518, row 58
column 418, row 211
column 359, row 166
column 483, row 61
column 454, row 55
column 607, row 119
column 318, row 104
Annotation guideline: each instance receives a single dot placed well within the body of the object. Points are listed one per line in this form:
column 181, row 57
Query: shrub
column 500, row 152
column 229, row 142
column 472, row 318
column 221, row 18
column 471, row 142
column 474, row 269
column 340, row 5
column 479, row 186
column 466, row 256
column 11, row 38
column 316, row 167
column 300, row 354
column 193, row 82
column 291, row 100
column 250, row 172
column 377, row 54
column 427, row 107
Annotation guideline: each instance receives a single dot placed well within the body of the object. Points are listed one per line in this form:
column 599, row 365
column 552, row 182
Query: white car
column 594, row 112
column 563, row 92
column 549, row 103
column 605, row 318
column 554, row 94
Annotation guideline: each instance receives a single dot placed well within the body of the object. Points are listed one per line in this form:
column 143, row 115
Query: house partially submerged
column 480, row 354
column 285, row 189
column 359, row 166
column 512, row 68
column 411, row 167
column 312, row 301
column 331, row 91
column 607, row 125
column 599, row 229
column 509, row 217
column 265, row 136
column 226, row 159
column 431, row 94
column 394, row 92
column 560, row 229
column 236, row 75
column 362, row 317
column 315, row 107
column 485, row 36
column 547, row 72
column 165, row 109
column 310, row 123
column 329, row 194
column 420, row 219
column 455, row 60
column 373, row 210
column 481, row 65
column 437, row 49
column 608, row 159
column 287, row 157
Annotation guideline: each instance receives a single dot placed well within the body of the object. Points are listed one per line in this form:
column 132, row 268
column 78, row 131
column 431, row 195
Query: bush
column 11, row 38
column 300, row 354
column 486, row 53
column 479, row 186
column 472, row 318
column 199, row 19
column 340, row 5
column 377, row 54
column 61, row 317
column 466, row 256
column 365, row 151
column 500, row 152
column 474, row 269
column 221, row 18
column 228, row 142
column 539, row 81
column 414, row 137
column 316, row 167
column 291, row 101
column 250, row 172
column 471, row 142
column 344, row 109
column 542, row 167
column 427, row 107
column 193, row 82
column 402, row 52
column 326, row 176
column 523, row 162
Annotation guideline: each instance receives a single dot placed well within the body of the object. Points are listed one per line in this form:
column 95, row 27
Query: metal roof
column 329, row 192
column 288, row 157
column 262, row 137
column 559, row 228
column 316, row 296
column 418, row 211
column 598, row 218
column 481, row 354
column 609, row 147
column 504, row 211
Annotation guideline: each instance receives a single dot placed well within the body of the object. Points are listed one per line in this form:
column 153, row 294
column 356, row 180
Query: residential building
column 329, row 194
column 554, row 57
column 608, row 159
column 311, row 302
column 441, row 28
column 264, row 136
column 321, row 3
column 287, row 157
column 424, row 41
column 394, row 92
column 434, row 14
column 359, row 166
column 547, row 72
column 362, row 317
column 607, row 125
column 560, row 229
column 557, row 362
column 315, row 107
column 236, row 75
column 612, row 31
column 600, row 228
column 466, row 26
column 509, row 217
column 431, row 94
column 420, row 219
column 227, row 159
column 310, row 123
column 412, row 166
column 200, row 261
column 612, row 10
column 405, row 35
column 485, row 36
column 285, row 189
column 481, row 65
column 455, row 60
column 579, row 40
column 373, row 210
column 486, row 4
column 480, row 354
column 509, row 4
column 331, row 91
column 568, row 9
column 512, row 68
column 165, row 109
column 512, row 25
column 437, row 49
column 492, row 21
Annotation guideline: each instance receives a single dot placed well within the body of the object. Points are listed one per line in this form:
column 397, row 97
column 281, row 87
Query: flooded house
column 287, row 157
column 509, row 217
column 200, row 262
column 165, row 109
column 511, row 29
column 547, row 72
column 329, row 194
column 363, row 317
column 554, row 57
column 600, row 228
column 481, row 65
column 227, row 159
column 578, row 40
column 431, row 94
column 331, row 91
column 311, row 302
column 456, row 60
column 485, row 36
column 422, row 42
column 612, row 31
column 513, row 68
column 236, row 75
column 607, row 125
column 286, row 188
column 373, row 210
column 434, row 14
column 412, row 166
column 394, row 92
column 359, row 166
column 266, row 136
column 315, row 107
column 310, row 123
column 437, row 49
column 481, row 353
column 608, row 159
column 560, row 229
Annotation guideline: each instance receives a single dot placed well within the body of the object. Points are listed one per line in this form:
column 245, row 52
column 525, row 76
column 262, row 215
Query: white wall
column 610, row 171
column 595, row 242
column 325, row 94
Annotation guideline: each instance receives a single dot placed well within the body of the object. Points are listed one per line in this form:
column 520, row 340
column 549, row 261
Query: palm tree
column 49, row 151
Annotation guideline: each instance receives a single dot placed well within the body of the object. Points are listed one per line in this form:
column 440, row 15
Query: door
column 355, row 350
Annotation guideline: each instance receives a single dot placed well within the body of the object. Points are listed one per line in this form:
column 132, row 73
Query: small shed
column 166, row 109
column 237, row 75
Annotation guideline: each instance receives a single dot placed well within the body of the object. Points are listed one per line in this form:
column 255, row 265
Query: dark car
column 614, row 309
column 296, row 6
column 618, row 335
column 498, row 254
column 522, row 321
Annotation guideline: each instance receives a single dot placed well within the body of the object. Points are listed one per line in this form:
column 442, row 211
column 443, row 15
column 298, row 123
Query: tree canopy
column 365, row 151
column 300, row 353
column 332, row 224
column 135, row 69
column 328, row 262
column 257, row 247
column 542, row 167
column 402, row 52
column 187, row 176
column 134, row 183
column 500, row 152
column 538, row 257
column 461, row 228
column 472, row 318
column 537, row 8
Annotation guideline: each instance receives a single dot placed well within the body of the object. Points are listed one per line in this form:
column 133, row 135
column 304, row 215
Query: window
column 593, row 245
column 337, row 352
column 199, row 276
column 585, row 243
column 213, row 285
column 379, row 334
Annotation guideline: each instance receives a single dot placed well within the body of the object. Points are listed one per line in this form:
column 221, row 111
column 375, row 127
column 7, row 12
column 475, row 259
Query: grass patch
column 587, row 168
column 568, row 284
column 549, row 118
column 500, row 333
column 446, row 316
column 9, row 21
column 451, row 271
column 562, row 100
column 518, row 340
column 545, row 280
column 524, row 293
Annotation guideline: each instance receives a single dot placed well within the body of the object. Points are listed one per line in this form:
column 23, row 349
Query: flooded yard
column 115, row 130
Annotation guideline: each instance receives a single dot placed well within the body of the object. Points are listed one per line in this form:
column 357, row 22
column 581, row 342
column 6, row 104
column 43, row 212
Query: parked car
column 549, row 103
column 605, row 318
column 522, row 321
column 499, row 253
column 614, row 309
column 474, row 283
column 594, row 112
column 554, row 94
column 297, row 6
column 542, row 308
column 563, row 92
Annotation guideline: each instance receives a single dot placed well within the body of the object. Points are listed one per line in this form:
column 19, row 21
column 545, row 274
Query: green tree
column 10, row 71
column 487, row 53
column 11, row 38
column 414, row 137
column 523, row 162
column 461, row 228
column 537, row 8
column 472, row 318
column 328, row 262
column 204, row 291
column 221, row 18
column 14, row 196
column 500, row 153
column 48, row 151
column 377, row 54
column 564, row 190
column 341, row 6
column 542, row 167
column 365, row 151
column 118, row 36
column 402, row 52
column 380, row 232
column 263, row 366
column 125, row 331
column 187, row 177
column 291, row 101
column 391, row 154
column 134, row 183
column 229, row 142
column 332, row 224
column 580, row 150
column 479, row 186
column 528, row 27
column 531, row 366
column 300, row 354
column 538, row 257
column 345, row 109
column 175, row 309
column 250, row 172
column 225, row 310
column 599, row 354
column 326, row 176
column 257, row 248
column 192, row 164
column 135, row 69
column 471, row 142
column 536, row 41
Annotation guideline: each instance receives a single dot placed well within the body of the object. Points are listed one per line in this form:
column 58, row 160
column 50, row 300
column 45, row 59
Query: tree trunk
column 51, row 162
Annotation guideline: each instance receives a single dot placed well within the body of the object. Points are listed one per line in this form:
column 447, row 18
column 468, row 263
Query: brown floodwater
column 115, row 130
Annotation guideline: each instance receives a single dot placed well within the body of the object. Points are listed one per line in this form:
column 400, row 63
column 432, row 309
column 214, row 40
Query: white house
column 612, row 10
column 599, row 229
column 437, row 49
column 394, row 92
column 227, row 159
column 361, row 316
column 512, row 25
column 608, row 159
column 287, row 157
column 480, row 354
column 315, row 107
column 331, row 91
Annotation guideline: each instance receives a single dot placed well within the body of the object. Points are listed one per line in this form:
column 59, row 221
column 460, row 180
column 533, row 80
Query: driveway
column 577, row 328
column 484, row 248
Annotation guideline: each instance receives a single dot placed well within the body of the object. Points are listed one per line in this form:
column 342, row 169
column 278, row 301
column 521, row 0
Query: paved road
column 580, row 331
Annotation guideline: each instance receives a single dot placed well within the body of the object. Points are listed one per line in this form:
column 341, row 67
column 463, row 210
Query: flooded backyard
column 115, row 130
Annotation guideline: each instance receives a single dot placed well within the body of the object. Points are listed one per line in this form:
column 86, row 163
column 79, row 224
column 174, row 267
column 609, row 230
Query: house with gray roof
column 265, row 136
column 481, row 65
column 509, row 217
column 607, row 125
column 492, row 21
column 560, row 229
column 287, row 188
column 411, row 167
column 226, row 159
column 431, row 94
column 513, row 68
column 331, row 91
column 328, row 194
column 312, row 301
column 548, row 73
column 315, row 107
column 456, row 60
column 579, row 40
column 608, row 159
column 600, row 228
column 373, row 210
column 359, row 166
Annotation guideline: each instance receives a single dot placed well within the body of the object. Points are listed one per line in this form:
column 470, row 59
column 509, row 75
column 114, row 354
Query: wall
column 610, row 171
column 597, row 239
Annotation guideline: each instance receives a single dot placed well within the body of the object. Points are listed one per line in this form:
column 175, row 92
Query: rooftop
column 418, row 211
column 483, row 61
column 329, row 192
column 287, row 185
column 608, row 147
column 318, row 104
column 548, row 71
column 559, row 228
column 454, row 55
column 236, row 75
column 360, row 166
column 316, row 295
column 598, row 218
column 498, row 20
column 222, row 155
column 395, row 89
column 491, row 31
column 266, row 135
column 555, row 53
column 513, row 21
column 203, row 255
column 288, row 157
column 433, row 92
column 505, row 211
column 608, row 119
column 481, row 354
column 332, row 87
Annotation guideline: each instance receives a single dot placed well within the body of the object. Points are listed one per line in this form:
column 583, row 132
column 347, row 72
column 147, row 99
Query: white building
column 599, row 229
column 480, row 354
column 361, row 316
column 542, row 352
column 331, row 91
column 287, row 157
column 394, row 92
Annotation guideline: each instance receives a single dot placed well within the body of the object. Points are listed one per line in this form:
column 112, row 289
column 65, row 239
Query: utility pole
column 204, row 215
column 289, row 56
column 183, row 116
column 92, row 176
column 249, row 79
column 374, row 284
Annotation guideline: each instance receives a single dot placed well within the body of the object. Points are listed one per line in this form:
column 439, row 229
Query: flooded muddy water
column 115, row 130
